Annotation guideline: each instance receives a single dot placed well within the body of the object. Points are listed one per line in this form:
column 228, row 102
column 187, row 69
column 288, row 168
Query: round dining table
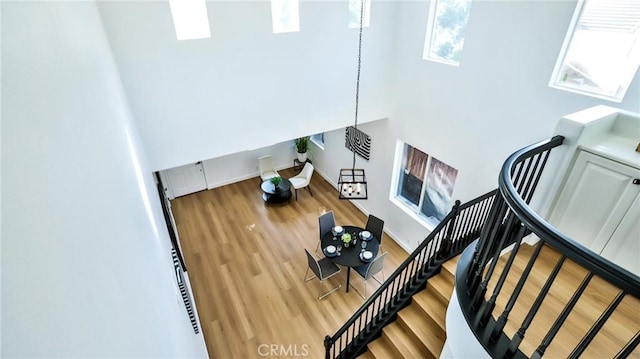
column 350, row 256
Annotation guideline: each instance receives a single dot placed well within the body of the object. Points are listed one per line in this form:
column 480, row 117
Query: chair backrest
column 265, row 163
column 376, row 226
column 376, row 266
column 326, row 222
column 307, row 171
column 313, row 264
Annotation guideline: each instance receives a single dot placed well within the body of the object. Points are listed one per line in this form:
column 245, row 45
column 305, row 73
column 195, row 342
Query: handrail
column 449, row 237
column 484, row 268
column 566, row 245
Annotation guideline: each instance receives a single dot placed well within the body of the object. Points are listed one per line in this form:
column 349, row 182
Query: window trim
column 553, row 81
column 316, row 142
column 414, row 211
column 430, row 33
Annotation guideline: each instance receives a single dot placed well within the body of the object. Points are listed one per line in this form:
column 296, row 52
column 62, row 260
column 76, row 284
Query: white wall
column 86, row 267
column 245, row 87
column 474, row 116
column 223, row 170
column 471, row 117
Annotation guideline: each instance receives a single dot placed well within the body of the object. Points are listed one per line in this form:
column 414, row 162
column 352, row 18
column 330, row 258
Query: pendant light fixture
column 352, row 183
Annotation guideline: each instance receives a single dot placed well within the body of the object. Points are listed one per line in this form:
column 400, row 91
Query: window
column 354, row 13
column 285, row 15
column 190, row 19
column 423, row 184
column 601, row 51
column 318, row 139
column 446, row 27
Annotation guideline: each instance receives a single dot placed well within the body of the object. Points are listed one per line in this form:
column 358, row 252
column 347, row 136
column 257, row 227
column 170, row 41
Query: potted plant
column 276, row 181
column 302, row 146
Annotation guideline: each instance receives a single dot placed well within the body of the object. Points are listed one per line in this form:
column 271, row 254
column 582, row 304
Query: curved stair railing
column 459, row 228
column 483, row 273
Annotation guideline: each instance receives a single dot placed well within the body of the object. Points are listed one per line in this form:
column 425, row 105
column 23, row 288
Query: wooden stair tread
column 423, row 329
column 381, row 348
column 442, row 285
column 406, row 345
column 431, row 305
column 616, row 332
column 450, row 266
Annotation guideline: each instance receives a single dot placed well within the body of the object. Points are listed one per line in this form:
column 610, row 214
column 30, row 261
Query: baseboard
column 243, row 178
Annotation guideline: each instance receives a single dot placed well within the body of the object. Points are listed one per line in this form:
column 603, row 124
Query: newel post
column 327, row 346
column 447, row 242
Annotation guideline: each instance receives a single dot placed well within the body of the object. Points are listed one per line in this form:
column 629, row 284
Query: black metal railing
column 459, row 228
column 485, row 271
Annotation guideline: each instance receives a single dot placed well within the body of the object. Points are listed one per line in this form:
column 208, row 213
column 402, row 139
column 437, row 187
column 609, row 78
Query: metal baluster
column 517, row 338
column 502, row 320
column 628, row 349
column 532, row 190
column 517, row 170
column 486, row 238
column 586, row 340
column 531, row 178
column 506, row 233
column 525, row 175
column 490, row 305
column 562, row 317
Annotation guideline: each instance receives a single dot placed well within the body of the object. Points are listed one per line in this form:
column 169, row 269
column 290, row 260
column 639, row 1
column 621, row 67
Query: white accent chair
column 302, row 179
column 267, row 170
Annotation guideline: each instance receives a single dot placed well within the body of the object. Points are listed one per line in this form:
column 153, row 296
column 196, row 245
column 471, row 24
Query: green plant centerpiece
column 302, row 147
column 346, row 239
column 276, row 181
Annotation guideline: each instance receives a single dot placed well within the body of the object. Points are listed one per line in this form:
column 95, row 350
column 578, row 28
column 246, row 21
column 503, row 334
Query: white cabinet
column 599, row 206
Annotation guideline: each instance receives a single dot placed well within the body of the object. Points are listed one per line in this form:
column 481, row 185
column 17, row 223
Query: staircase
column 419, row 331
column 556, row 299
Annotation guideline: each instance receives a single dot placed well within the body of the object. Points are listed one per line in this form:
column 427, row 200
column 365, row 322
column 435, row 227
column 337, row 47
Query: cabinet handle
column 636, row 181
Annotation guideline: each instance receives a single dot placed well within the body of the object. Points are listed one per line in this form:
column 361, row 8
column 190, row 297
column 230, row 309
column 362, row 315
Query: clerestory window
column 446, row 29
column 601, row 51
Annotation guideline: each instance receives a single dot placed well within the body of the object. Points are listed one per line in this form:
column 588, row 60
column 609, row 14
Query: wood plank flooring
column 617, row 331
column 246, row 263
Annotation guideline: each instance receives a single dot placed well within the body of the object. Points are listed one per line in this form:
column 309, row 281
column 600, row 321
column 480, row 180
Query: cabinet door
column 597, row 194
column 624, row 246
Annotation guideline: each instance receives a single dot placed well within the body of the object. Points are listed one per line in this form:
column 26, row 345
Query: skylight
column 354, row 13
column 285, row 15
column 190, row 19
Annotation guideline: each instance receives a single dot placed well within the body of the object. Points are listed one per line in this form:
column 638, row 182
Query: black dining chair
column 325, row 222
column 368, row 271
column 322, row 269
column 376, row 226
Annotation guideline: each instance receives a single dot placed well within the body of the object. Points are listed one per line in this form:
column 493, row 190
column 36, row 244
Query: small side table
column 297, row 165
column 273, row 194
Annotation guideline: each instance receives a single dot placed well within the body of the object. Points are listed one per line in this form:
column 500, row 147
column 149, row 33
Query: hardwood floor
column 246, row 264
column 618, row 330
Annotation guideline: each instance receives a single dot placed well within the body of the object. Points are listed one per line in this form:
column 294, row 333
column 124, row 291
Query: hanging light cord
column 353, row 148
